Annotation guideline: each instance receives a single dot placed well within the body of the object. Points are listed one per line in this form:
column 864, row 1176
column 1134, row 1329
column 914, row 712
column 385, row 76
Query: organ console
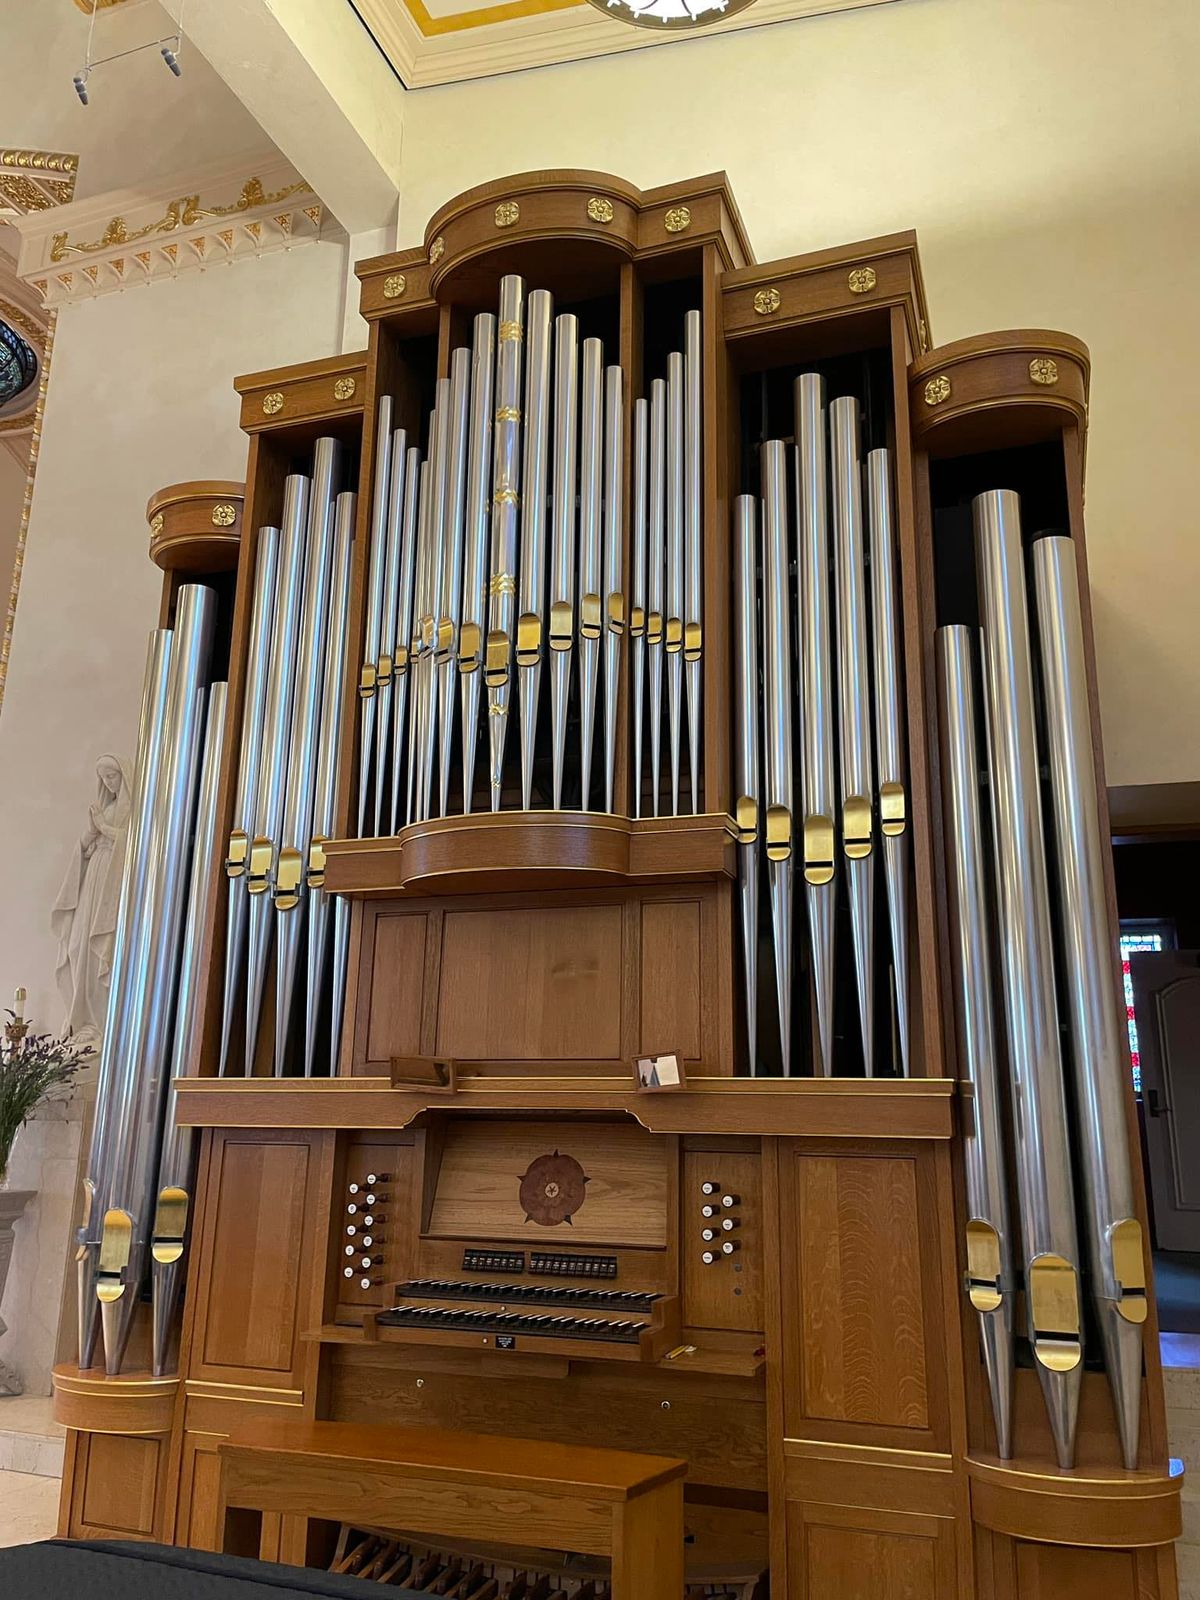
column 790, row 609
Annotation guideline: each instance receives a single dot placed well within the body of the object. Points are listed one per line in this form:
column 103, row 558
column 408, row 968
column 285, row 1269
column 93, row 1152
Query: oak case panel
column 582, row 978
column 857, row 1554
column 267, row 1205
column 863, row 1339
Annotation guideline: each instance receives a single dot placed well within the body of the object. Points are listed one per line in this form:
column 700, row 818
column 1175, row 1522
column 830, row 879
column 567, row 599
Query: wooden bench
column 464, row 1485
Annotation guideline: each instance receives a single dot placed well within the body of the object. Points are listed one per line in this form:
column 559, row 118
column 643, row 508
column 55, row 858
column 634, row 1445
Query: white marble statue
column 84, row 919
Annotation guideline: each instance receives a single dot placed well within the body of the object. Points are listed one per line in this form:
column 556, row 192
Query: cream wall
column 1045, row 150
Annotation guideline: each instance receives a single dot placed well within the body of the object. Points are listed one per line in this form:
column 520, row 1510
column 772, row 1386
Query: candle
column 19, row 1005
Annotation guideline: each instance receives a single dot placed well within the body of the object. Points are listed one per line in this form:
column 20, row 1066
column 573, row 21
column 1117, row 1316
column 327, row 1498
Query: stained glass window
column 1133, row 943
column 18, row 364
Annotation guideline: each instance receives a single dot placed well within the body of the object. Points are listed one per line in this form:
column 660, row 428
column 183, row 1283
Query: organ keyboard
column 633, row 1324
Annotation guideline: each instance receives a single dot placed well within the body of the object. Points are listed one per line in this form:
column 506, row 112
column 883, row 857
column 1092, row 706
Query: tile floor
column 28, row 1507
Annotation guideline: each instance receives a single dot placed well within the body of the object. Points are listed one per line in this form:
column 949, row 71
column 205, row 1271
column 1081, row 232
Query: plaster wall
column 1047, row 156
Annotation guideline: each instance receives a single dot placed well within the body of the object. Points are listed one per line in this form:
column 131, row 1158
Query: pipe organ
column 636, row 651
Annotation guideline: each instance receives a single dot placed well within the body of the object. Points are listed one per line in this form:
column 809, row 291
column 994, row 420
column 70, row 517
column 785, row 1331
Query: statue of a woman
column 84, row 919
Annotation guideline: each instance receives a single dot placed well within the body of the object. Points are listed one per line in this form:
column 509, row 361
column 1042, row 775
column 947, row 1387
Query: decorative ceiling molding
column 431, row 42
column 222, row 214
column 36, row 180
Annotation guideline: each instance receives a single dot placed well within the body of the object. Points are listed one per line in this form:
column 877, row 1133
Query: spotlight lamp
column 169, row 48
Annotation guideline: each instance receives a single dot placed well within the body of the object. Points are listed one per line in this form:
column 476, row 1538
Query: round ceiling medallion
column 661, row 14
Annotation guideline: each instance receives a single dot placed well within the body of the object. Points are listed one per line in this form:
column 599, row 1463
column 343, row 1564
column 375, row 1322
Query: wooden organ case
column 767, row 1275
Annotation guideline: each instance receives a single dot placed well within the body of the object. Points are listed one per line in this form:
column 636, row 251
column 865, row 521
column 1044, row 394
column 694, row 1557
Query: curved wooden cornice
column 594, row 220
column 1037, row 377
column 196, row 527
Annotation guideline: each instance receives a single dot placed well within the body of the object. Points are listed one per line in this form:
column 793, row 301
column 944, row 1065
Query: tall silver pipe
column 1098, row 1044
column 777, row 729
column 439, row 528
column 389, row 635
column 562, row 540
column 114, row 1086
column 325, row 789
column 531, row 620
column 675, row 564
column 402, row 673
column 452, row 566
column 421, row 623
column 258, row 661
column 506, row 496
column 890, row 764
column 637, row 592
column 1044, row 1190
column 693, row 544
column 614, row 565
column 127, row 1219
column 174, row 1185
column 291, row 862
column 591, row 533
column 655, row 575
column 854, row 702
column 277, row 735
column 990, row 1284
column 818, row 774
column 337, row 981
column 478, row 521
column 370, row 665
column 745, row 701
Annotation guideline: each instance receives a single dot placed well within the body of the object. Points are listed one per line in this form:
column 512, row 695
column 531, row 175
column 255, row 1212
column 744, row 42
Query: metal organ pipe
column 989, row 1252
column 441, row 458
column 477, row 521
column 655, row 570
column 637, row 597
column 613, row 566
column 127, row 1226
column 591, row 604
column 1098, row 1047
column 777, row 729
column 174, row 1184
column 562, row 543
column 891, row 767
column 746, row 805
column 385, row 680
column 115, row 1084
column 819, row 782
column 531, row 623
column 675, row 564
column 402, row 666
column 307, row 669
column 276, row 738
column 325, row 790
column 258, row 661
column 506, row 486
column 854, row 688
column 693, row 528
column 446, row 644
column 421, row 626
column 375, row 581
column 1047, row 1206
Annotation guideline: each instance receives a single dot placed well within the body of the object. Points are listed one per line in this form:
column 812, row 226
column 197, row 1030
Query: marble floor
column 28, row 1507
